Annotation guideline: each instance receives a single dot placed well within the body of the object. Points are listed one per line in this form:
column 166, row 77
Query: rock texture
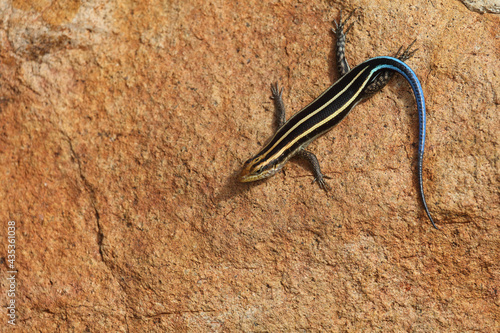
column 123, row 127
column 483, row 6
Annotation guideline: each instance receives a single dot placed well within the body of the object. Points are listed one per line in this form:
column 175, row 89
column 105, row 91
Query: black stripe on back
column 332, row 91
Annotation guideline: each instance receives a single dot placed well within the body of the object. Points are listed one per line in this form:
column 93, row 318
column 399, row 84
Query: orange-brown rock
column 123, row 127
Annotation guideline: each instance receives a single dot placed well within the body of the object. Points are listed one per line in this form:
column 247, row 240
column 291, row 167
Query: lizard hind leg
column 385, row 76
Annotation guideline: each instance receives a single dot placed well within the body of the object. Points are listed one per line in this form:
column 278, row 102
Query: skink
column 326, row 111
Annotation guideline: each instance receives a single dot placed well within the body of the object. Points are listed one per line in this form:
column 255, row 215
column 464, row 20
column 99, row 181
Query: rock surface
column 483, row 6
column 123, row 127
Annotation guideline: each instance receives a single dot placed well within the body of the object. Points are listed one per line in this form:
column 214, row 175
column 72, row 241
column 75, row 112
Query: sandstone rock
column 123, row 127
